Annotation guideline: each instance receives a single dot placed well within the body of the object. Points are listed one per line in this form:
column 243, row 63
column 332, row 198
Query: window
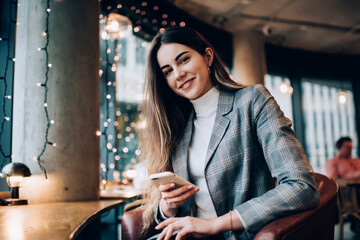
column 326, row 119
column 121, row 96
column 7, row 45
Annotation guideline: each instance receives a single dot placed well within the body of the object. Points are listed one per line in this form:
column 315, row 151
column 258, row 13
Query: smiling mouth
column 186, row 83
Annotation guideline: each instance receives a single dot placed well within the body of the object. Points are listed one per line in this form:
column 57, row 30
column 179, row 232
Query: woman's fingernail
column 172, row 185
column 157, row 227
column 190, row 186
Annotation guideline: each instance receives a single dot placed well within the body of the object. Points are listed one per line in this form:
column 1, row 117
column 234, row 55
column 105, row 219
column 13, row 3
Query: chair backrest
column 347, row 197
column 317, row 223
column 131, row 224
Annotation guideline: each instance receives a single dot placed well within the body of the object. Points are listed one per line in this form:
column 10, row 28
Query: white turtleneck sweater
column 205, row 111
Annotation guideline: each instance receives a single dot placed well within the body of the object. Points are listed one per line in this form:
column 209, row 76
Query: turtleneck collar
column 206, row 105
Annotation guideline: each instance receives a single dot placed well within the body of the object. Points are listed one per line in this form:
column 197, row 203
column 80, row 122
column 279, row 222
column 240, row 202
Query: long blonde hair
column 165, row 112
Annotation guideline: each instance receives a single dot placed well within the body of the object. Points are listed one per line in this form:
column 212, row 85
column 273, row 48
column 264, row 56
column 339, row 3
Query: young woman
column 231, row 141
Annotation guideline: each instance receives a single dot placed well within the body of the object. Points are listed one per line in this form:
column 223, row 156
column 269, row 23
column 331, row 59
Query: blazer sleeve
column 296, row 189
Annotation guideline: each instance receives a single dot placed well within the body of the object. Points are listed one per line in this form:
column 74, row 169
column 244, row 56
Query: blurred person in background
column 343, row 165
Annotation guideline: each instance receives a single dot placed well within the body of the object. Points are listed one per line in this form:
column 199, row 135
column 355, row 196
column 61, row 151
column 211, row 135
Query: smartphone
column 169, row 177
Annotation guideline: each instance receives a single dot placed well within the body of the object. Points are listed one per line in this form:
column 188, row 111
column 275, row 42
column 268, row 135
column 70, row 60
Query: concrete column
column 73, row 99
column 249, row 65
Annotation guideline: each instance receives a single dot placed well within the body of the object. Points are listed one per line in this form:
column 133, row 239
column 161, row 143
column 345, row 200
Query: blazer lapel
column 225, row 105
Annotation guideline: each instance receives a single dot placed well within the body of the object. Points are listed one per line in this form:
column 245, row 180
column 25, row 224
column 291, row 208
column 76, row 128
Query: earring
column 209, row 70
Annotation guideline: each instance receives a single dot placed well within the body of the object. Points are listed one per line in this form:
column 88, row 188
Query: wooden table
column 124, row 192
column 55, row 221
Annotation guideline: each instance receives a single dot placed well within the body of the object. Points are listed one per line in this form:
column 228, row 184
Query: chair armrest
column 304, row 225
column 316, row 223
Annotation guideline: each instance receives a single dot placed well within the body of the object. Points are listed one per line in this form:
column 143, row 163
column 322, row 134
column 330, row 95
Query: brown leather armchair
column 317, row 223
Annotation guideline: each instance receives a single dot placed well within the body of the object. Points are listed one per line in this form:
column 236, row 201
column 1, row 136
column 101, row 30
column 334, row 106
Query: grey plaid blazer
column 252, row 144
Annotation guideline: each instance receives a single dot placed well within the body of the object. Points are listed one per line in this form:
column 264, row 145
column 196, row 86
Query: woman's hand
column 189, row 227
column 172, row 198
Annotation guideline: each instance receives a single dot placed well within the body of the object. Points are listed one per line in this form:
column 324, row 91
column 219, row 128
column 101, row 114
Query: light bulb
column 15, row 181
column 283, row 87
column 114, row 26
column 130, row 174
column 45, row 104
column 104, row 35
column 52, row 121
column 342, row 97
column 48, row 10
column 98, row 133
column 109, row 146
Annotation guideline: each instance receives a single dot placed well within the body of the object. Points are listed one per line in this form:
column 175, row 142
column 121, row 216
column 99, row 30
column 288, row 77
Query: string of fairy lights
column 107, row 148
column 106, row 124
column 109, row 88
column 3, row 79
column 44, row 85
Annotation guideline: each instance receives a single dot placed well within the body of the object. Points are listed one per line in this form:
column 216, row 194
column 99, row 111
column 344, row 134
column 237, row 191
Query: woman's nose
column 179, row 73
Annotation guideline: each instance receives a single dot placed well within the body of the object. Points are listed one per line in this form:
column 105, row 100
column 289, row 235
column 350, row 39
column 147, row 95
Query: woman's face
column 185, row 70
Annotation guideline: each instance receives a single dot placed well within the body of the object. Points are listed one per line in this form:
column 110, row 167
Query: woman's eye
column 167, row 72
column 184, row 59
